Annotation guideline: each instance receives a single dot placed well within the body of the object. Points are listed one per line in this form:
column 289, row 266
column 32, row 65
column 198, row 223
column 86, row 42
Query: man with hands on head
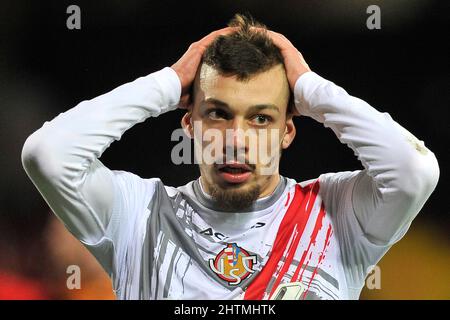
column 239, row 231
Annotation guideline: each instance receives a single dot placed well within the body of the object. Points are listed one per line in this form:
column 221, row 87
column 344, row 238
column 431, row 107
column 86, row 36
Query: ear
column 187, row 125
column 289, row 132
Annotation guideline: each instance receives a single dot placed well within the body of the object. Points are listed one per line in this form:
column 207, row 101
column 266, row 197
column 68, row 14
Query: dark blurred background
column 46, row 69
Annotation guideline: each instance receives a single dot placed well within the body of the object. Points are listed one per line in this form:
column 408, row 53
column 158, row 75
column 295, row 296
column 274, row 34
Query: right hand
column 186, row 67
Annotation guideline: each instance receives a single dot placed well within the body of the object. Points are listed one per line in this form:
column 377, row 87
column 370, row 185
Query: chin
column 235, row 197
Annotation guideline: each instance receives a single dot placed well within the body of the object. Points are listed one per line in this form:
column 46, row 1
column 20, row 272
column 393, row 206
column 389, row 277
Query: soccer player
column 241, row 230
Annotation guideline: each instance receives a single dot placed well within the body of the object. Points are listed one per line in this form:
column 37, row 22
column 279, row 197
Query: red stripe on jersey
column 308, row 205
column 296, row 217
column 312, row 241
column 322, row 256
column 287, row 200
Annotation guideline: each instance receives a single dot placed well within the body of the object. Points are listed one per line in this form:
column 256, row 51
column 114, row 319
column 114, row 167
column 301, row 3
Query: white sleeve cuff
column 170, row 85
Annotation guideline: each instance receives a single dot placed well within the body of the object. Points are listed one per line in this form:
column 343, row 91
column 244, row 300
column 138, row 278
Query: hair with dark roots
column 245, row 52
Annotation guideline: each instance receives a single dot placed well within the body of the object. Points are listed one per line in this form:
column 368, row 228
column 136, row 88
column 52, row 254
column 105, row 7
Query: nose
column 235, row 138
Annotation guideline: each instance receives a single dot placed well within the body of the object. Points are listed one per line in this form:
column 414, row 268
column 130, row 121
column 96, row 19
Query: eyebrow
column 256, row 107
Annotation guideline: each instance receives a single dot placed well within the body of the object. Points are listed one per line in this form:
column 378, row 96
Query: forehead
column 269, row 87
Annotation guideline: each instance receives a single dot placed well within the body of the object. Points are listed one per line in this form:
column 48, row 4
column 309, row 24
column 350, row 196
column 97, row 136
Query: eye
column 262, row 119
column 217, row 114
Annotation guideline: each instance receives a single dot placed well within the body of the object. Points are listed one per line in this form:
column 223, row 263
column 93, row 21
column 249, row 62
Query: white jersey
column 162, row 242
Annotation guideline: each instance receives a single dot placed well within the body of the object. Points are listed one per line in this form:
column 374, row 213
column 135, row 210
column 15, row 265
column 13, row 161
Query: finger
column 210, row 37
column 279, row 41
column 281, row 35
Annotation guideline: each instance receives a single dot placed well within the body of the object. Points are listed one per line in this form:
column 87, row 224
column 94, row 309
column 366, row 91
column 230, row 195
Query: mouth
column 234, row 172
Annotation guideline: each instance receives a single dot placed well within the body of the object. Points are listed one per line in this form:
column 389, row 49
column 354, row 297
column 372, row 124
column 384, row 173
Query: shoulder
column 327, row 178
column 130, row 179
column 339, row 179
column 134, row 187
column 332, row 183
column 129, row 182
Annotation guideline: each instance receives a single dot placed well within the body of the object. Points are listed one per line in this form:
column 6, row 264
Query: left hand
column 186, row 67
column 294, row 62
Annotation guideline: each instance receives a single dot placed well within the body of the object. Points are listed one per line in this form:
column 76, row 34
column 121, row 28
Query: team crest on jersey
column 233, row 264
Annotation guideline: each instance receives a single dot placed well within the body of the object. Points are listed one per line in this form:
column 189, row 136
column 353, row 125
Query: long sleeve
column 61, row 158
column 375, row 206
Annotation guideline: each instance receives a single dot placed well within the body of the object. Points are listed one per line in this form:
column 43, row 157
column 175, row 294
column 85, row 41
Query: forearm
column 400, row 171
column 61, row 157
column 78, row 136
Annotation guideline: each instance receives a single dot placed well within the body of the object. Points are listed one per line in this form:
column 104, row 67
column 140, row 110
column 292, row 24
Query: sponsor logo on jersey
column 233, row 264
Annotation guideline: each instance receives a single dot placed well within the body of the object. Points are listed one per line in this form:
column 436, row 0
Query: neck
column 264, row 200
column 270, row 187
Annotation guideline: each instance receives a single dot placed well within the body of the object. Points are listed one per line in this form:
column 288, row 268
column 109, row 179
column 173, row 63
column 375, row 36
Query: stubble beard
column 234, row 199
